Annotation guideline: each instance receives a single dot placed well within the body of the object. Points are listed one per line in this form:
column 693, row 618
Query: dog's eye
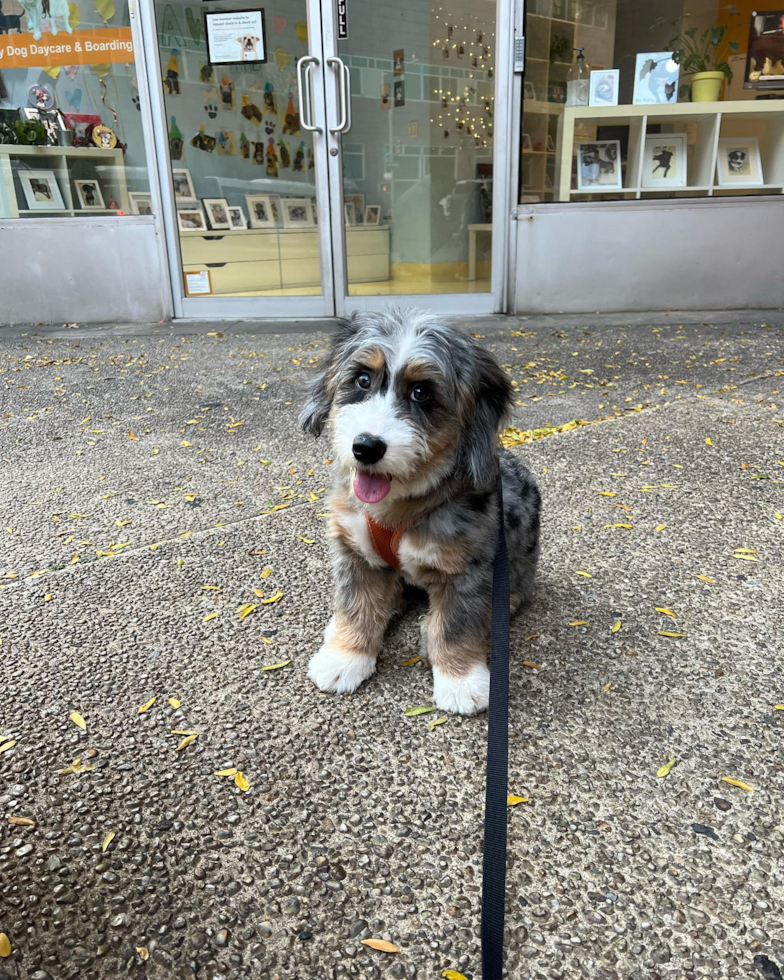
column 420, row 393
column 364, row 380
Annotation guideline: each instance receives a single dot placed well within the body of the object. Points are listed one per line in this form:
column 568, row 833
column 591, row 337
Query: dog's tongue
column 371, row 487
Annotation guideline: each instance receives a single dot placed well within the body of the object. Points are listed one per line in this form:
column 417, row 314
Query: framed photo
column 604, row 87
column 296, row 212
column 217, row 209
column 41, row 191
column 237, row 219
column 349, row 214
column 527, row 144
column 529, row 91
column 765, row 58
column 235, row 37
column 549, row 144
column 664, row 161
column 556, row 92
column 260, row 210
column 89, row 194
column 184, row 193
column 277, row 209
column 191, row 219
column 140, row 202
column 656, row 76
column 738, row 162
column 314, row 209
column 599, row 166
column 358, row 200
column 373, row 214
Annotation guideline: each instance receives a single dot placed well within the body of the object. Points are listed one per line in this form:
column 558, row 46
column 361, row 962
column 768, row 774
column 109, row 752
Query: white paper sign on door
column 235, row 37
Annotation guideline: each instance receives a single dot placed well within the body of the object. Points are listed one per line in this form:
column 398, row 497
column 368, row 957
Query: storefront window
column 634, row 100
column 71, row 140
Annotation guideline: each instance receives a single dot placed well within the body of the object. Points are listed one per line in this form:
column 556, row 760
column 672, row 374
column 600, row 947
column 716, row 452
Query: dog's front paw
column 466, row 695
column 337, row 672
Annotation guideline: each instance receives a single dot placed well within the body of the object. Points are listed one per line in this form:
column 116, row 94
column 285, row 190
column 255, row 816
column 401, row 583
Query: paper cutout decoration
column 226, row 90
column 311, row 159
column 279, row 24
column 40, row 96
column 74, row 16
column 203, row 142
column 71, row 70
column 172, row 80
column 282, row 57
column 272, row 160
column 291, row 119
column 104, row 137
column 211, row 102
column 206, row 73
column 269, row 127
column 258, row 153
column 386, row 96
column 74, row 99
column 52, row 72
column 244, row 147
column 302, row 31
column 299, row 158
column 105, row 9
column 176, row 141
column 270, row 105
column 36, row 10
column 250, row 110
column 227, row 144
column 285, row 155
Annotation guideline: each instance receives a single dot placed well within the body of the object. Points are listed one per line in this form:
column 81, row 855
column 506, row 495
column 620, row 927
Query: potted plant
column 699, row 56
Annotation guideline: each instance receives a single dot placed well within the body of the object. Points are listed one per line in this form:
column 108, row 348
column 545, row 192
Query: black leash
column 494, row 864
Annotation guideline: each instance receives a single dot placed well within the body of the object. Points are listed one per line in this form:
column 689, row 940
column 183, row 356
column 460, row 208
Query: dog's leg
column 458, row 642
column 365, row 599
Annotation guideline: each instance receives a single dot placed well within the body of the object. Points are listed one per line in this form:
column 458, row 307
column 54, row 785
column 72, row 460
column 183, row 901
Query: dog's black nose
column 368, row 449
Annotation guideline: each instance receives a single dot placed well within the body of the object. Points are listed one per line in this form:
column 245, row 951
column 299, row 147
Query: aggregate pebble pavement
column 162, row 537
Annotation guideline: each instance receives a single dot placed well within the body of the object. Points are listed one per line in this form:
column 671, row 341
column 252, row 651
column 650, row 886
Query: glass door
column 239, row 114
column 425, row 84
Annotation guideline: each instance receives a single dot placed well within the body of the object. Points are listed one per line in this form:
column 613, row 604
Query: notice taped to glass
column 235, row 37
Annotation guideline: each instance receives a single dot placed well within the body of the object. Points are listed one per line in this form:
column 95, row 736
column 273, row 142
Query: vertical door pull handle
column 304, row 66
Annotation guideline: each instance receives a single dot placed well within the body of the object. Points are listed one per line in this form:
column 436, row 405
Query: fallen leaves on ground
column 246, row 609
column 5, row 945
column 453, row 975
column 107, row 840
column 411, row 662
column 434, row 722
column 615, row 626
column 514, row 800
column 665, row 612
column 675, row 636
column 187, row 741
column 146, row 706
column 665, row 769
column 21, row 821
column 76, row 766
column 77, row 719
column 381, row 944
column 737, row 782
column 226, row 772
column 281, row 663
column 143, row 952
column 174, row 702
column 7, row 745
column 273, row 598
column 419, row 710
column 241, row 782
column 531, row 664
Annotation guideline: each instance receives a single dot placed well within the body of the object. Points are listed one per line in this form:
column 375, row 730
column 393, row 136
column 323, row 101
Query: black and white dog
column 414, row 408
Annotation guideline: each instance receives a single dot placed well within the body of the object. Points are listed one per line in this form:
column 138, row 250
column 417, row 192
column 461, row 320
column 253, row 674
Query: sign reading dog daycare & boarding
column 89, row 47
column 235, row 37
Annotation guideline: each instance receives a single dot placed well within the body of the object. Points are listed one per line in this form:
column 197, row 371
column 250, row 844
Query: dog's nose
column 368, row 449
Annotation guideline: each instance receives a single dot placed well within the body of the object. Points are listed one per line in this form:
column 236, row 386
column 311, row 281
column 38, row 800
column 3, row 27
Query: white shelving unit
column 105, row 166
column 705, row 122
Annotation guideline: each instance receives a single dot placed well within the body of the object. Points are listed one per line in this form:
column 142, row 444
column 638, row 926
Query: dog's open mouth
column 371, row 487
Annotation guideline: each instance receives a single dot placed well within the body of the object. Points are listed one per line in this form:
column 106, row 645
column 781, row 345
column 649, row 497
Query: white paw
column 339, row 673
column 467, row 695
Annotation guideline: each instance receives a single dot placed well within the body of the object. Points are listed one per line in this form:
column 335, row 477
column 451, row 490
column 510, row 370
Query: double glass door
column 318, row 156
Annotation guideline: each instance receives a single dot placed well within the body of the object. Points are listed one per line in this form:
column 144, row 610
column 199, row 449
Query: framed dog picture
column 191, row 219
column 599, row 166
column 140, row 202
column 260, row 210
column 296, row 212
column 349, row 214
column 41, row 191
column 604, row 87
column 237, row 219
column 89, row 194
column 664, row 162
column 358, row 200
column 184, row 192
column 738, row 162
column 235, row 37
column 217, row 209
column 373, row 214
column 656, row 76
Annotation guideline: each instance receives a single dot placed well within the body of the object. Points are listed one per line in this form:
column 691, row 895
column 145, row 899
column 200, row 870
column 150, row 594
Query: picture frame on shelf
column 599, row 166
column 191, row 219
column 656, row 75
column 664, row 164
column 556, row 92
column 738, row 162
column 527, row 144
column 549, row 144
column 604, row 86
column 260, row 210
column 237, row 219
column 349, row 214
column 140, row 202
column 314, row 209
column 529, row 92
column 89, row 195
column 373, row 214
column 184, row 191
column 41, row 190
column 277, row 209
column 217, row 211
column 358, row 200
column 297, row 212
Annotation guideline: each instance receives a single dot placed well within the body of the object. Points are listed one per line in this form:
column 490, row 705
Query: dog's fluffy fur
column 437, row 399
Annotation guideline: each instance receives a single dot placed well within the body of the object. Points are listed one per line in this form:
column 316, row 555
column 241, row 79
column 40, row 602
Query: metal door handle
column 344, row 89
column 304, row 66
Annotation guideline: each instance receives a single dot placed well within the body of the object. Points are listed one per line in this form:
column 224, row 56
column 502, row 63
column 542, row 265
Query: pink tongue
column 371, row 487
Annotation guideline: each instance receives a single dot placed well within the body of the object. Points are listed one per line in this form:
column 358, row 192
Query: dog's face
column 410, row 401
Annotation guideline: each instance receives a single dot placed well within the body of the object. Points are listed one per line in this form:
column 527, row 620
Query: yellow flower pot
column 706, row 86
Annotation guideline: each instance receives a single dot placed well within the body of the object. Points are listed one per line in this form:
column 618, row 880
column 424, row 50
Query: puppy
column 414, row 407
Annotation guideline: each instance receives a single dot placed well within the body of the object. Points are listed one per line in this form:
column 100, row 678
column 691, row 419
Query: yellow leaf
column 778, row 707
column 704, row 578
column 779, row 517
column 665, row 769
column 381, row 944
column 579, row 622
column 7, row 745
column 246, row 609
column 143, row 952
column 436, row 721
column 745, row 551
column 183, row 731
column 174, row 702
column 185, row 444
column 5, row 945
column 146, row 706
column 745, row 557
column 453, row 975
column 209, row 616
column 77, row 719
column 226, row 772
column 666, row 633
column 132, row 436
column 282, row 663
column 21, row 821
column 708, row 441
column 533, row 636
column 273, row 598
column 514, row 800
column 421, row 710
column 615, row 626
column 665, row 612
column 266, row 573
column 265, row 639
column 107, row 840
column 584, row 574
column 47, row 597
column 306, row 540
column 187, row 741
column 606, row 687
column 259, row 593
column 214, row 588
column 738, row 783
column 531, row 664
column 605, row 493
column 411, row 662
column 628, row 527
column 242, row 782
column 660, row 527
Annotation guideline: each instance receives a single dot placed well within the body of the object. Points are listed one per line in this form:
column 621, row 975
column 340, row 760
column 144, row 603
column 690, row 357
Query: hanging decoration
column 53, row 72
column 272, row 160
column 171, row 81
column 285, row 155
column 464, row 108
column 311, row 158
column 101, row 71
column 74, row 99
column 244, row 147
column 301, row 31
column 250, row 110
column 258, row 153
column 226, row 90
column 279, row 24
column 291, row 119
column 282, row 57
column 270, row 105
column 176, row 142
column 40, row 96
column 299, row 158
column 103, row 136
column 227, row 144
column 206, row 73
column 104, row 9
column 201, row 141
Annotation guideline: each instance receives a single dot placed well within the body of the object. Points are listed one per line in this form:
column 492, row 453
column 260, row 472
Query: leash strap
column 494, row 863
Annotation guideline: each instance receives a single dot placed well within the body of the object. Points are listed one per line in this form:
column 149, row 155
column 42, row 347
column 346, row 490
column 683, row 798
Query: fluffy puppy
column 413, row 408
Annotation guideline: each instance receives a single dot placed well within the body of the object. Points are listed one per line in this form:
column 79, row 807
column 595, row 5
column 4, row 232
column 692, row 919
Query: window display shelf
column 704, row 123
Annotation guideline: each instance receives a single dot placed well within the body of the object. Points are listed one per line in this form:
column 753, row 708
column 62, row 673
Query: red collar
column 385, row 541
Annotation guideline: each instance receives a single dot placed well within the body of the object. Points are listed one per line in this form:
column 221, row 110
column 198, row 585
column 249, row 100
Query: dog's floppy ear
column 315, row 411
column 492, row 398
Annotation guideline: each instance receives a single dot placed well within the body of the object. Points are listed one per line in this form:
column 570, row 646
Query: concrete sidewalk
column 139, row 468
